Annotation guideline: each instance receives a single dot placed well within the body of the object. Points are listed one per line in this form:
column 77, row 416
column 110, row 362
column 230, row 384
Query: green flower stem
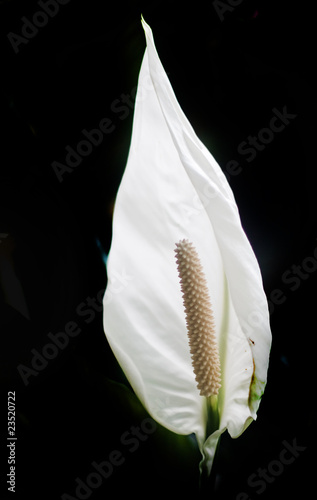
column 207, row 482
column 212, row 414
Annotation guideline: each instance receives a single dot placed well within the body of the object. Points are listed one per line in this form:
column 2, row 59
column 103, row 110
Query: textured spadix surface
column 173, row 189
column 199, row 319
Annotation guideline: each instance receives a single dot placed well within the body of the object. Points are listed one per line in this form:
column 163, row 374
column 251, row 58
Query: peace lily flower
column 191, row 334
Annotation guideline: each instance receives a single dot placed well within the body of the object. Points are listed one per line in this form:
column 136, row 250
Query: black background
column 228, row 76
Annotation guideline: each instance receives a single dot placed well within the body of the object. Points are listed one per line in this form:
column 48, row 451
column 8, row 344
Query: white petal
column 240, row 265
column 172, row 188
column 209, row 451
column 144, row 321
column 237, row 369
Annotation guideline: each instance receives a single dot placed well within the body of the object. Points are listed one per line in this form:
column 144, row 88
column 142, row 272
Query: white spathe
column 173, row 188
